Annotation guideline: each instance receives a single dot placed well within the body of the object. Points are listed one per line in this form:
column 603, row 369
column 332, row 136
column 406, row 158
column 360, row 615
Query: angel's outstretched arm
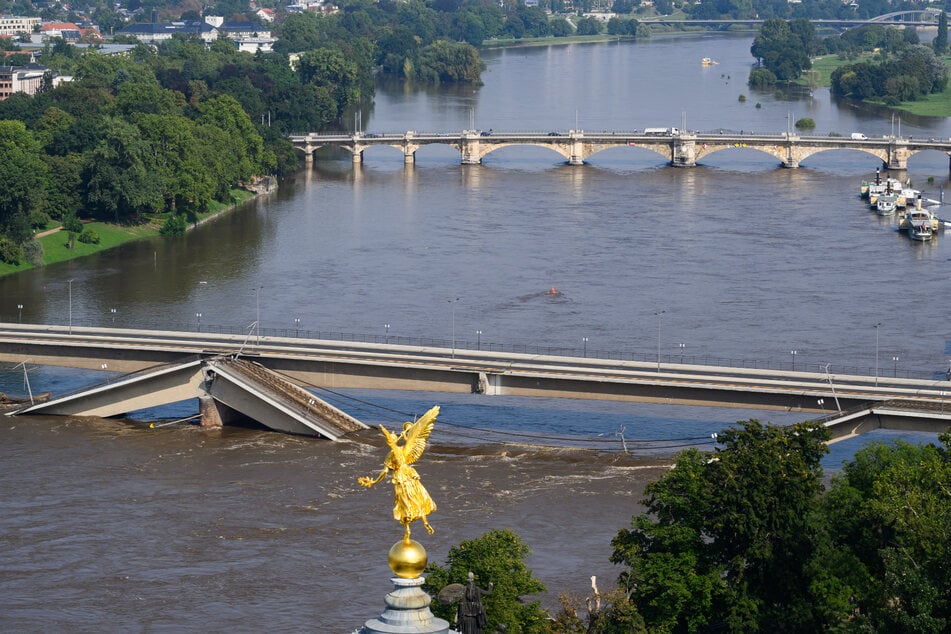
column 367, row 482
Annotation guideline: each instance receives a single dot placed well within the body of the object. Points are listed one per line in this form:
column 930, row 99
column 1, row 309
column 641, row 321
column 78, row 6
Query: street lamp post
column 69, row 284
column 793, row 353
column 895, row 360
column 479, row 335
column 877, row 326
column 658, row 314
column 386, row 336
column 257, row 321
column 113, row 311
column 198, row 321
column 584, row 342
column 297, row 326
column 682, row 346
column 452, row 318
column 19, row 313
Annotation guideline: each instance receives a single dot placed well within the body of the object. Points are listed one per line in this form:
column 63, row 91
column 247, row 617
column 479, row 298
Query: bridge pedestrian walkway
column 229, row 389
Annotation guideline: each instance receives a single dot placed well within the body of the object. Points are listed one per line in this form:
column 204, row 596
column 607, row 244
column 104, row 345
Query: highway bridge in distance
column 855, row 403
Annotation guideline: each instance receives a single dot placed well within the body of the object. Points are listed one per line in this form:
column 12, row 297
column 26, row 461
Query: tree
column 732, row 541
column 497, row 556
column 891, row 514
column 588, row 26
column 23, row 177
column 117, row 180
column 940, row 42
column 782, row 47
column 449, row 61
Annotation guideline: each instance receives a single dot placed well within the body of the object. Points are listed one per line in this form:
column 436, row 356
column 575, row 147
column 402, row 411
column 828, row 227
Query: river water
column 112, row 524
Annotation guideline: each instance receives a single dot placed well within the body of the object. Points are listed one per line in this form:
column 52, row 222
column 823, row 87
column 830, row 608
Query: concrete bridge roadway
column 348, row 365
column 680, row 149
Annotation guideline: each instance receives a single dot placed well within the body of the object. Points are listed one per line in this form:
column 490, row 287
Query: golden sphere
column 407, row 558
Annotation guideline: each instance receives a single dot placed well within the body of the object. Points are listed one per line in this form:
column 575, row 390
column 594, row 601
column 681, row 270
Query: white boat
column 886, row 204
column 920, row 224
column 907, row 197
column 874, row 191
column 706, row 61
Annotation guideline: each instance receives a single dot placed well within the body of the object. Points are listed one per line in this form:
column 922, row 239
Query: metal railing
column 586, row 351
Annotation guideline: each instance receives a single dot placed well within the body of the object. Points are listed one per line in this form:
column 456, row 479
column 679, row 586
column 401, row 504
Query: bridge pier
column 469, row 147
column 409, row 158
column 210, row 417
column 897, row 156
column 357, row 157
column 684, row 152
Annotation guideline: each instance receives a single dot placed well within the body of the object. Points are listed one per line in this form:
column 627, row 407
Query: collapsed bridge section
column 229, row 389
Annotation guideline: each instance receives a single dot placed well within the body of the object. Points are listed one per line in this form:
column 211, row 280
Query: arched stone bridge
column 681, row 149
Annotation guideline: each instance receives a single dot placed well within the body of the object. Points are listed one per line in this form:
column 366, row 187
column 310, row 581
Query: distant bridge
column 915, row 17
column 177, row 366
column 680, row 148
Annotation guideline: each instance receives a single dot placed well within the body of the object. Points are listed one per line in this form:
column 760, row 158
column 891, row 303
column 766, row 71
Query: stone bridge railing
column 681, row 149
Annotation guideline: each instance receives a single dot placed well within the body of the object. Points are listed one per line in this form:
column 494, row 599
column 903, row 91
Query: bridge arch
column 922, row 15
column 484, row 149
column 789, row 157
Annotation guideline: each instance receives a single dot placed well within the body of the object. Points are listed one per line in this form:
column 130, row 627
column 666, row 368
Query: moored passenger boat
column 920, row 224
column 886, row 204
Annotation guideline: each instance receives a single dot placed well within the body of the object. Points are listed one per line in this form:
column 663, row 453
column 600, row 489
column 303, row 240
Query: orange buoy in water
column 552, row 291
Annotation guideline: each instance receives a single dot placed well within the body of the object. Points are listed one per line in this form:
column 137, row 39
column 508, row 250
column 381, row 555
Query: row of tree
column 750, row 539
column 901, row 69
column 912, row 74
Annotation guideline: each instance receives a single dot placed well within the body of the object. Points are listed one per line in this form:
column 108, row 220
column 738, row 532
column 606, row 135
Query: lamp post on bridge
column 479, row 335
column 386, row 335
column 682, row 346
column 452, row 318
column 297, row 326
column 658, row 314
column 19, row 313
column 198, row 322
column 877, row 326
column 69, row 284
column 113, row 311
column 895, row 360
column 793, row 353
column 584, row 343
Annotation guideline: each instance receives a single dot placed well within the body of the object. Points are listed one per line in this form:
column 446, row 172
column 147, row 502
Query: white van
column 858, row 136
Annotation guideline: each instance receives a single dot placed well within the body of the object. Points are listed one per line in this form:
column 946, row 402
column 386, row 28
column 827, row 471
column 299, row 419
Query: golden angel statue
column 412, row 500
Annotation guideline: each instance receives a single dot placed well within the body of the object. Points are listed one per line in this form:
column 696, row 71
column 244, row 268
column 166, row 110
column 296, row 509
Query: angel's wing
column 417, row 434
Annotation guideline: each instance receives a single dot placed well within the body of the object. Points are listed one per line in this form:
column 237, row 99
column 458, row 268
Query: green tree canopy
column 730, row 541
column 23, row 177
column 497, row 556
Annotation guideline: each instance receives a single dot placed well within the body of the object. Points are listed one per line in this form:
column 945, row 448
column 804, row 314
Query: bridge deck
column 343, row 365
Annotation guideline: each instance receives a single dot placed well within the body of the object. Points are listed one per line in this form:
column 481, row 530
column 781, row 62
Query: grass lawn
column 110, row 235
column 934, row 105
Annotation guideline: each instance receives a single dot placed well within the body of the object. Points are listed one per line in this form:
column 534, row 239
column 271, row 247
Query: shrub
column 88, row 236
column 39, row 219
column 761, row 78
column 805, row 124
column 10, row 251
column 175, row 226
column 33, row 252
